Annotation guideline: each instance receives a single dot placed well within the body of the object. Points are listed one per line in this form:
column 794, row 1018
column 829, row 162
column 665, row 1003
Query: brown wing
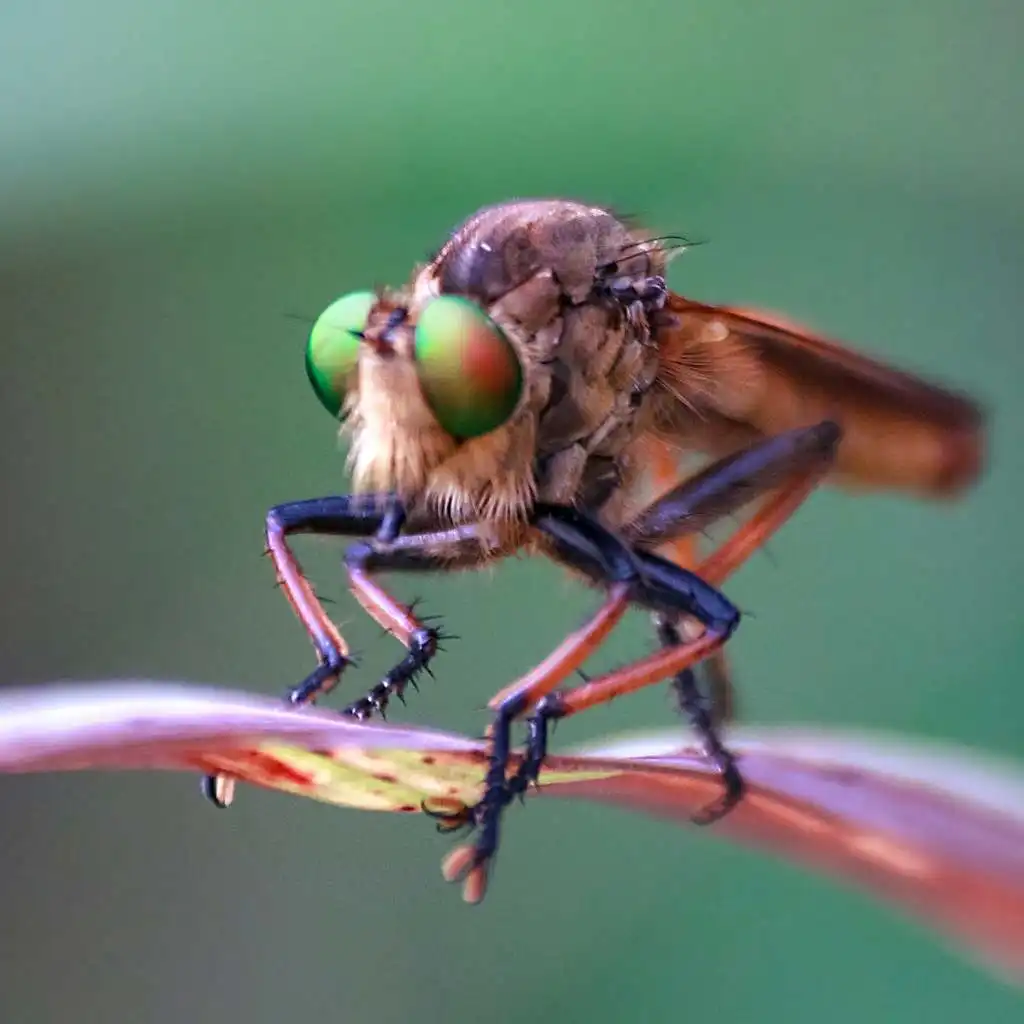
column 729, row 376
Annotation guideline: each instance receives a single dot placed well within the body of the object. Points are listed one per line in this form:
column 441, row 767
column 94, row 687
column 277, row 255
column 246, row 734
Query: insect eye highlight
column 469, row 372
column 332, row 351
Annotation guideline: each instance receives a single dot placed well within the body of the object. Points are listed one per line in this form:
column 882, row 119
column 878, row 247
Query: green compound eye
column 468, row 369
column 332, row 352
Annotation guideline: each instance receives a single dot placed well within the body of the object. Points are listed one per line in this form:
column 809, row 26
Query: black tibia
column 700, row 711
column 654, row 583
column 418, row 552
column 346, row 515
column 727, row 485
column 548, row 710
column 657, row 584
column 343, row 515
column 671, row 592
column 719, row 490
column 386, row 551
column 379, row 518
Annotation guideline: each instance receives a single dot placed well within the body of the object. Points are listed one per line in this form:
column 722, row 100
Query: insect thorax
column 602, row 368
column 572, row 287
column 581, row 283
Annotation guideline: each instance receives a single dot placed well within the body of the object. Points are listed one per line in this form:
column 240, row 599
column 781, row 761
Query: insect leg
column 790, row 464
column 788, row 467
column 712, row 677
column 379, row 517
column 417, row 552
column 344, row 515
column 633, row 578
column 347, row 515
column 700, row 711
column 797, row 460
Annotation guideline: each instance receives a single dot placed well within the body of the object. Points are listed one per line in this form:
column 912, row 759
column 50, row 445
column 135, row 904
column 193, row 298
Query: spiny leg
column 700, row 711
column 384, row 550
column 417, row 552
column 711, row 680
column 344, row 515
column 792, row 464
column 680, row 654
column 788, row 467
column 634, row 578
column 661, row 577
column 347, row 515
column 379, row 517
column 725, row 560
column 608, row 561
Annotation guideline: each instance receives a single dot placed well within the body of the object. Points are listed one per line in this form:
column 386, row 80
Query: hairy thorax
column 569, row 284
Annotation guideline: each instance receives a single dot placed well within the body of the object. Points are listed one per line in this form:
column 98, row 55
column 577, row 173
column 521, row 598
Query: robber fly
column 521, row 394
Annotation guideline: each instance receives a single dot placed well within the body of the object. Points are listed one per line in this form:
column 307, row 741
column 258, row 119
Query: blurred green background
column 175, row 178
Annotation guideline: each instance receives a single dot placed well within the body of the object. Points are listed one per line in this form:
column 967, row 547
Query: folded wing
column 729, row 376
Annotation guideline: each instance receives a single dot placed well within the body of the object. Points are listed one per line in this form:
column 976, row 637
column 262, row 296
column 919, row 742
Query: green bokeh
column 177, row 178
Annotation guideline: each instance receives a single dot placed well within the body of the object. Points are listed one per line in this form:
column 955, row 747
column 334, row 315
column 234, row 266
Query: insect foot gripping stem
column 424, row 643
column 379, row 518
column 631, row 577
column 698, row 710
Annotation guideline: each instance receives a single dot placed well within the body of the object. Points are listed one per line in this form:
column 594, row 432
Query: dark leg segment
column 379, row 517
column 348, row 515
column 698, row 710
column 385, row 551
column 638, row 578
column 677, row 594
column 732, row 482
column 787, row 467
column 424, row 552
column 344, row 515
column 794, row 462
